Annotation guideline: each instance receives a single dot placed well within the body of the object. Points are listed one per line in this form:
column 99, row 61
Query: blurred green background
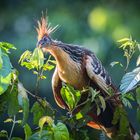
column 94, row 24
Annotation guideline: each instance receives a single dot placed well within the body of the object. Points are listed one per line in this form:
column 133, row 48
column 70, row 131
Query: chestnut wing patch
column 56, row 86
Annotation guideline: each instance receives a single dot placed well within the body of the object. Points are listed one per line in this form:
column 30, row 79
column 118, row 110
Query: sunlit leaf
column 48, row 67
column 45, row 119
column 37, row 58
column 8, row 120
column 68, row 97
column 32, row 60
column 6, row 46
column 1, row 61
column 130, row 80
column 27, row 131
column 25, row 56
column 79, row 116
column 123, row 40
column 76, row 93
column 115, row 63
column 5, row 73
column 138, row 61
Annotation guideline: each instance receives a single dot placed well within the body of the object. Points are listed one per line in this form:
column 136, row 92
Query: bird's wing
column 56, row 86
column 97, row 73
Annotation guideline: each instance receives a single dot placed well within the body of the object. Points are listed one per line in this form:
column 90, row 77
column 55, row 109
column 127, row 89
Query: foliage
column 5, row 66
column 14, row 99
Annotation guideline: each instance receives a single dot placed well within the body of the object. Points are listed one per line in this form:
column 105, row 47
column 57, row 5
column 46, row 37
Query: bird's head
column 44, row 39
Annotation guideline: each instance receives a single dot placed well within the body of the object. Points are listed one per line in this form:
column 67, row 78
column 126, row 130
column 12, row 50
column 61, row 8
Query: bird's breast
column 74, row 75
column 70, row 71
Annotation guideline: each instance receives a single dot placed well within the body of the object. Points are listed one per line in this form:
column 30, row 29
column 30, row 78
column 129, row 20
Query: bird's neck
column 62, row 58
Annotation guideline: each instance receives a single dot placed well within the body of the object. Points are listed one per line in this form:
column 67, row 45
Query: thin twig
column 37, row 83
column 12, row 129
column 38, row 99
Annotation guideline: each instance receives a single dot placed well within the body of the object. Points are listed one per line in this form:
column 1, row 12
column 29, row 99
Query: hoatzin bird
column 80, row 68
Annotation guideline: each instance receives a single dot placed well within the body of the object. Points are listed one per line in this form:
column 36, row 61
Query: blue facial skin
column 44, row 41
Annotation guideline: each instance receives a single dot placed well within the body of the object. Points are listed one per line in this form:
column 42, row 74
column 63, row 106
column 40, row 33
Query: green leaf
column 125, row 99
column 3, row 134
column 27, row 131
column 41, row 109
column 138, row 61
column 123, row 40
column 129, row 96
column 25, row 110
column 13, row 105
column 76, row 93
column 79, row 116
column 16, row 138
column 130, row 80
column 37, row 111
column 124, row 124
column 37, row 58
column 116, row 116
column 48, row 67
column 6, row 46
column 5, row 73
column 23, row 101
column 103, row 104
column 94, row 93
column 1, row 61
column 68, row 97
column 4, row 102
column 32, row 60
column 120, row 117
column 43, row 120
column 115, row 63
column 61, row 132
column 8, row 120
column 138, row 95
column 138, row 115
column 25, row 56
column 126, row 102
column 44, row 135
column 98, row 110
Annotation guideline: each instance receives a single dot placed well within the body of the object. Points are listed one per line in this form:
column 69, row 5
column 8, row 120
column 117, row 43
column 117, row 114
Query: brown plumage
column 80, row 68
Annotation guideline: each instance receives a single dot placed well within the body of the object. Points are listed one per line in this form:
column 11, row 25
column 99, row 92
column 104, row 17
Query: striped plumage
column 80, row 68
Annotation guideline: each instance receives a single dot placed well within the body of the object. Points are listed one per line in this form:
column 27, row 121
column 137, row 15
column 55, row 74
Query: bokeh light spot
column 120, row 32
column 98, row 19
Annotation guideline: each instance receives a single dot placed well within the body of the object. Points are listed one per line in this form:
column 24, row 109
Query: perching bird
column 80, row 68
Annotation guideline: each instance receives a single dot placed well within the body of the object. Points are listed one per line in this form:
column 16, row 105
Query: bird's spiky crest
column 44, row 28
